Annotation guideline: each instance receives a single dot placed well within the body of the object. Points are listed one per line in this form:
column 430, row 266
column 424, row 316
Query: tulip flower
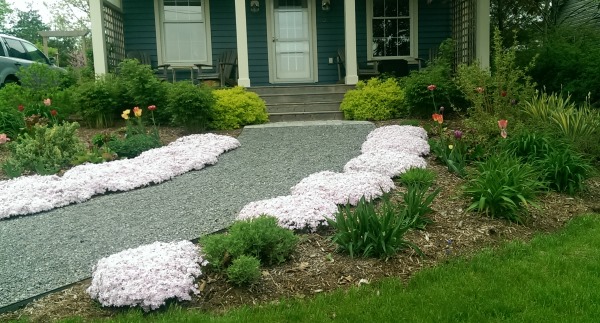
column 53, row 113
column 431, row 87
column 151, row 107
column 458, row 134
column 438, row 117
column 503, row 93
column 21, row 107
column 3, row 138
column 502, row 125
column 479, row 89
column 137, row 112
column 125, row 114
column 47, row 102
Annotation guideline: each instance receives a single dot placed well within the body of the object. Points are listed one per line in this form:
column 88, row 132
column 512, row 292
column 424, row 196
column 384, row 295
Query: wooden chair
column 363, row 72
column 161, row 71
column 225, row 70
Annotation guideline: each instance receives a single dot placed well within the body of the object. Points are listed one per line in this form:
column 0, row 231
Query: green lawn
column 554, row 278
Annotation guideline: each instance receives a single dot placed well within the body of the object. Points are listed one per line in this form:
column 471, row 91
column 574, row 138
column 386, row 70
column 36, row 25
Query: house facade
column 282, row 42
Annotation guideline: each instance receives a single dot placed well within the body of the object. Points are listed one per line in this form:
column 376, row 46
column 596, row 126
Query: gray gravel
column 42, row 252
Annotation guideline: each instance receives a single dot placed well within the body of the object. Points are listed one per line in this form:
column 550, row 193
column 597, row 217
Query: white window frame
column 159, row 20
column 414, row 33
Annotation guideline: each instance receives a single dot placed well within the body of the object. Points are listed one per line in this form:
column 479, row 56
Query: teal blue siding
column 140, row 33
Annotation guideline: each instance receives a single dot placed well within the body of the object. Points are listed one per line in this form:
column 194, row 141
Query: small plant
column 191, row 106
column 531, row 146
column 46, row 149
column 417, row 205
column 260, row 237
column 100, row 101
column 244, row 271
column 11, row 122
column 565, row 170
column 134, row 145
column 374, row 100
column 363, row 231
column 418, row 177
column 503, row 186
column 237, row 107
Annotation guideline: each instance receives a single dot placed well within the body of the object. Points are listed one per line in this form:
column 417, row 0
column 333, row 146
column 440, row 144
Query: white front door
column 291, row 54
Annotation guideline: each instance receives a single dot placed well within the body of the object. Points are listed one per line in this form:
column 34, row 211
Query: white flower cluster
column 390, row 163
column 42, row 193
column 406, row 139
column 342, row 188
column 147, row 276
column 295, row 212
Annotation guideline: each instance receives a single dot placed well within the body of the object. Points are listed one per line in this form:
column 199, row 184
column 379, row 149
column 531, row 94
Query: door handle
column 275, row 39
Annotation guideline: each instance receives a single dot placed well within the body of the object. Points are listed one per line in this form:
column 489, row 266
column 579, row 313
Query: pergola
column 67, row 33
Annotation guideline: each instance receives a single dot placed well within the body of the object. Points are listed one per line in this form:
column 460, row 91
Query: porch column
column 350, row 36
column 242, row 43
column 98, row 40
column 482, row 35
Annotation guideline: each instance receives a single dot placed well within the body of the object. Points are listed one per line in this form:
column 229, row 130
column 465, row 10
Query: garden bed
column 316, row 268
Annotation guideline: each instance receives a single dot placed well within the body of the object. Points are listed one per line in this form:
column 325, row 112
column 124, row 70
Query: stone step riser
column 300, row 107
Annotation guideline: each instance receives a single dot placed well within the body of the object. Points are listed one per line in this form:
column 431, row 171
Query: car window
column 34, row 53
column 15, row 49
column 2, row 53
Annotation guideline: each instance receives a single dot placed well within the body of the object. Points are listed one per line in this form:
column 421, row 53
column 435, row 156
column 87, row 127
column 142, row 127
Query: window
column 15, row 49
column 392, row 28
column 185, row 32
column 35, row 54
column 2, row 53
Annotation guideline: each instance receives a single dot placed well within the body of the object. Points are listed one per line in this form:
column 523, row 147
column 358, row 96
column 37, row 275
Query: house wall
column 140, row 33
column 581, row 12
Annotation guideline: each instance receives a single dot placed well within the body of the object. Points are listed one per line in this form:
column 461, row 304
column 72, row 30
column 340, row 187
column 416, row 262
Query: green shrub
column 503, row 186
column 362, row 231
column 100, row 101
column 133, row 146
column 141, row 87
column 418, row 177
column 41, row 79
column 530, row 146
column 191, row 106
column 13, row 95
column 261, row 237
column 417, row 205
column 244, row 270
column 418, row 98
column 237, row 107
column 374, row 100
column 47, row 149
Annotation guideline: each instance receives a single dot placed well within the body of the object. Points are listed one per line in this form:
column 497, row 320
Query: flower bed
column 41, row 193
column 386, row 162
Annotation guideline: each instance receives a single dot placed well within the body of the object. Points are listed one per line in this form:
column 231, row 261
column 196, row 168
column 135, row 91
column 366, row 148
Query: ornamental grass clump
column 294, row 212
column 418, row 176
column 503, row 187
column 369, row 231
column 417, row 204
column 342, row 188
column 147, row 276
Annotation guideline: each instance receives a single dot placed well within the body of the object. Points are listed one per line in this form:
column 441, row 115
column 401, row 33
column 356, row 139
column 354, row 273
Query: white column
column 350, row 36
column 242, row 42
column 482, row 34
column 98, row 39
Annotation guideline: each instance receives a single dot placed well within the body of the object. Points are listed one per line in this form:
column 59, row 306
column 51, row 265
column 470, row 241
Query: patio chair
column 144, row 58
column 363, row 72
column 225, row 71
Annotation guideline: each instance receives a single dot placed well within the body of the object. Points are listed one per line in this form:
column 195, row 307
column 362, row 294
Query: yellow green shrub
column 374, row 100
column 237, row 107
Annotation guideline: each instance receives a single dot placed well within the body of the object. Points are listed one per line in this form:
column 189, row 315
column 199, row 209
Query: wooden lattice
column 114, row 37
column 464, row 24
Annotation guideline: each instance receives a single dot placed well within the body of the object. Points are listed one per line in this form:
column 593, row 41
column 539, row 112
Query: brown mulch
column 316, row 267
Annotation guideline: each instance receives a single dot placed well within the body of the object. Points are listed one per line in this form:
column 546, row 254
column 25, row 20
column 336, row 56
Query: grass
column 553, row 278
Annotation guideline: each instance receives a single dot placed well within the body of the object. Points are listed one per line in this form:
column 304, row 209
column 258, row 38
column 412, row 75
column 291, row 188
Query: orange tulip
column 438, row 117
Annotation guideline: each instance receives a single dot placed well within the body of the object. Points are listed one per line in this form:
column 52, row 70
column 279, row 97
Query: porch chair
column 363, row 72
column 160, row 71
column 225, row 70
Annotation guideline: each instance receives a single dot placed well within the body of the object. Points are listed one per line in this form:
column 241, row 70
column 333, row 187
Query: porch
column 281, row 42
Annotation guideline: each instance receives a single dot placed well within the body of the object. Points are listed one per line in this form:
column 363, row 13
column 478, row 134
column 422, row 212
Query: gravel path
column 42, row 252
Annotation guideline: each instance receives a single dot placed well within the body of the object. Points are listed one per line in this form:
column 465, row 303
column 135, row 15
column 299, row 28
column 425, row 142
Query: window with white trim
column 185, row 32
column 392, row 28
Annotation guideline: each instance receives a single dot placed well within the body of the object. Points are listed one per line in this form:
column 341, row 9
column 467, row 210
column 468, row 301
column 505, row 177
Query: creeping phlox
column 395, row 131
column 148, row 275
column 386, row 162
column 397, row 138
column 295, row 212
column 342, row 188
column 80, row 183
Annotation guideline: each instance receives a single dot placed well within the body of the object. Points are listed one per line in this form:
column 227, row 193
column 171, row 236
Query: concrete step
column 305, row 116
column 272, row 99
column 303, row 107
column 301, row 89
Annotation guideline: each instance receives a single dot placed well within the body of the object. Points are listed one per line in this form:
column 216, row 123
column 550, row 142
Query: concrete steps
column 303, row 102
